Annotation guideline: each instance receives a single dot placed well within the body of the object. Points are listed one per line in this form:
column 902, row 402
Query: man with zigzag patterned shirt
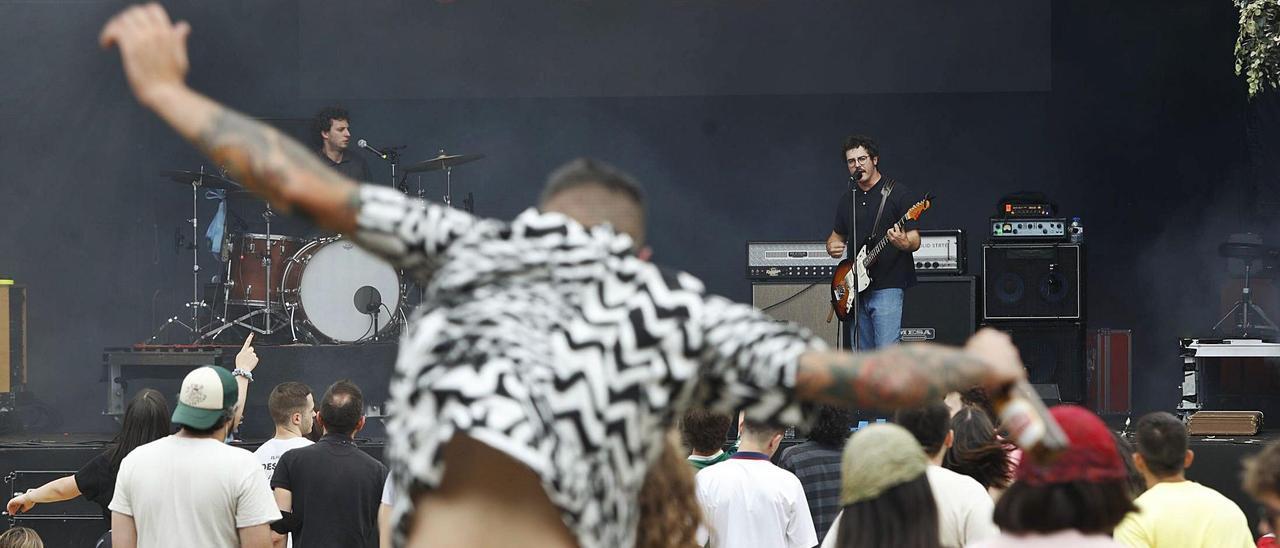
column 535, row 382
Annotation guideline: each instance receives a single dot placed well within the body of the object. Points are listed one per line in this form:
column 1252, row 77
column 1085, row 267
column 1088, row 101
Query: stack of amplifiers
column 1035, row 292
column 791, row 281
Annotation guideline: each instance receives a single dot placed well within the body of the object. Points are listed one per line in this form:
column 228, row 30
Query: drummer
column 333, row 125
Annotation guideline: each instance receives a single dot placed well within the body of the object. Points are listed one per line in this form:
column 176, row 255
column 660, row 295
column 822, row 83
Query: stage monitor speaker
column 1032, row 282
column 1053, row 354
column 804, row 303
column 13, row 337
column 940, row 309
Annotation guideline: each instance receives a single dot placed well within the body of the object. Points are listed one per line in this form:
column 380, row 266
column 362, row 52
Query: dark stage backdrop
column 730, row 112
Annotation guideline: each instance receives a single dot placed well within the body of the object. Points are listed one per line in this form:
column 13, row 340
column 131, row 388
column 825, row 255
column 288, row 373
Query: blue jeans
column 879, row 319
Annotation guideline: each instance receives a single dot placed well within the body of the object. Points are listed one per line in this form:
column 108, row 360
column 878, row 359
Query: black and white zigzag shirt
column 554, row 344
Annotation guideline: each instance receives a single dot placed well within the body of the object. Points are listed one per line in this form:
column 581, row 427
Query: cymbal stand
column 195, row 304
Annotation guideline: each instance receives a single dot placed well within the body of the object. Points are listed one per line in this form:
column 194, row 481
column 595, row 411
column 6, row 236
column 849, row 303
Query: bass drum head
column 331, row 279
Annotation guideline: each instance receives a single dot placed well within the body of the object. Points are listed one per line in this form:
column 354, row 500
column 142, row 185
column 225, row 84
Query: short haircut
column 832, row 426
column 342, row 408
column 589, row 172
column 324, row 120
column 286, row 399
column 929, row 424
column 1091, row 508
column 20, row 537
column 704, row 431
column 1262, row 471
column 758, row 430
column 854, row 141
column 1162, row 442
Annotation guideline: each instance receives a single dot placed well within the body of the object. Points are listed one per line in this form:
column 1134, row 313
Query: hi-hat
column 205, row 179
column 442, row 161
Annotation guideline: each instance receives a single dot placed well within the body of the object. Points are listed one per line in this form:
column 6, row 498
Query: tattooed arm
column 907, row 375
column 153, row 52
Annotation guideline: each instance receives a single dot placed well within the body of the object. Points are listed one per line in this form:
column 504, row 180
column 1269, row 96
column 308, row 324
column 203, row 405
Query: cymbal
column 442, row 161
column 205, row 179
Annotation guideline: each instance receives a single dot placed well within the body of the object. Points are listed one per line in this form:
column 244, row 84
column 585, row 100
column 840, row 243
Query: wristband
column 242, row 373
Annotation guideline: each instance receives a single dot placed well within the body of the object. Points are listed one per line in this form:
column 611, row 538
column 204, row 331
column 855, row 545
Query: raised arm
column 154, row 53
column 909, row 374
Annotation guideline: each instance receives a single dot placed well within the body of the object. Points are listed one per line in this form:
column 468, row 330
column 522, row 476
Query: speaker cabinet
column 804, row 303
column 1053, row 354
column 1032, row 282
column 13, row 337
column 940, row 309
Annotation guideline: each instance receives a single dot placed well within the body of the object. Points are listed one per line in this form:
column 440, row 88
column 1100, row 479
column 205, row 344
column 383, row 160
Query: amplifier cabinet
column 1053, row 353
column 807, row 304
column 940, row 309
column 13, row 337
column 1032, row 282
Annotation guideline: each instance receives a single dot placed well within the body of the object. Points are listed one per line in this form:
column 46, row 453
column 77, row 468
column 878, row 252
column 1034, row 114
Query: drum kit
column 318, row 290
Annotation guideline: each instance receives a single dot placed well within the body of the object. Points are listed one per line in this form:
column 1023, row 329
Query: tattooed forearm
column 291, row 177
column 899, row 376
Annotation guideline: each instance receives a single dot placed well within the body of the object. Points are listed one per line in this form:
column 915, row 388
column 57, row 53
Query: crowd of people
column 914, row 483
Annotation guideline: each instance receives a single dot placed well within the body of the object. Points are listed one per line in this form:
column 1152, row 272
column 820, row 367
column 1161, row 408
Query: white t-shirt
column 754, row 503
column 268, row 454
column 192, row 492
column 389, row 491
column 964, row 510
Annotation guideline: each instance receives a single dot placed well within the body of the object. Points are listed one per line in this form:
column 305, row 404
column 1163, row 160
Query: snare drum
column 331, row 286
column 251, row 256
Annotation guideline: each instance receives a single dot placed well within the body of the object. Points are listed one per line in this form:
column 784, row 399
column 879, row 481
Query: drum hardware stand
column 1247, row 253
column 195, row 304
column 267, row 311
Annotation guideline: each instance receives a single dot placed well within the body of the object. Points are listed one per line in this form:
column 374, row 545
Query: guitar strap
column 884, row 197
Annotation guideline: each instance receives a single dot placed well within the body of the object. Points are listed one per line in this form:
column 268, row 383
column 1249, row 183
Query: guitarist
column 879, row 310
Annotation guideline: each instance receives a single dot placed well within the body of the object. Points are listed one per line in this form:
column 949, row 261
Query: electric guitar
column 849, row 281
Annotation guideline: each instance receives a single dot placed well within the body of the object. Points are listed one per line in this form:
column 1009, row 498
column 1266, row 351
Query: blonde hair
column 669, row 510
column 20, row 537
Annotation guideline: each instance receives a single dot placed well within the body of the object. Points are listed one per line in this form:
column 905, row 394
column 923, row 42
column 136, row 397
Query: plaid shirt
column 818, row 468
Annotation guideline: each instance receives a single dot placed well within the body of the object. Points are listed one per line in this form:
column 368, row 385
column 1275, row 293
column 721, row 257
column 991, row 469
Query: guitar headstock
column 916, row 210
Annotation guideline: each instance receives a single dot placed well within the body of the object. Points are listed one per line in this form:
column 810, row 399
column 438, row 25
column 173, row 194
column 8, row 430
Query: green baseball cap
column 206, row 394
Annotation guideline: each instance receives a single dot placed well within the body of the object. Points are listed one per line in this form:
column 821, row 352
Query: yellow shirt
column 1184, row 514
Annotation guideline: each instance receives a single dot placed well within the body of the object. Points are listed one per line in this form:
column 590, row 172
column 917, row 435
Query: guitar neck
column 875, row 252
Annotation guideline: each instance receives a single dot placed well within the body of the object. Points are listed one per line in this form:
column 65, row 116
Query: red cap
column 1090, row 457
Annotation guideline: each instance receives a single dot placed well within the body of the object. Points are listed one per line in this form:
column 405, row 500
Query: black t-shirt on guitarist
column 894, row 267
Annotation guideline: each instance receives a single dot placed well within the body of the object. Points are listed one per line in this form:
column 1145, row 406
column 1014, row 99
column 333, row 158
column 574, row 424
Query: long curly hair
column 977, row 452
column 669, row 510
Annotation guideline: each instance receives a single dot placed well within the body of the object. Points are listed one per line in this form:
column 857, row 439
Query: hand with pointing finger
column 247, row 359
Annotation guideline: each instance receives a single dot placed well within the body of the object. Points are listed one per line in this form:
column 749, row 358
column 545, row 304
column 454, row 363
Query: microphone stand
column 851, row 252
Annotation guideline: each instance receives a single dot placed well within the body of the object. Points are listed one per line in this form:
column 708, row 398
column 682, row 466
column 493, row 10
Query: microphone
column 857, row 173
column 365, row 145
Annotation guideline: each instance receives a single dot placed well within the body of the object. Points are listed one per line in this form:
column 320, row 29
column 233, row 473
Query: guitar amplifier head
column 789, row 261
column 941, row 252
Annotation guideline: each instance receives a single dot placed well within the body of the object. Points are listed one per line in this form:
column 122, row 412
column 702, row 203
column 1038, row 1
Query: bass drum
column 337, row 291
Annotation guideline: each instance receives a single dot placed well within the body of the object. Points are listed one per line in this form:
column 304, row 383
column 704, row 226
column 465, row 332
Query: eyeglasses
column 859, row 160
